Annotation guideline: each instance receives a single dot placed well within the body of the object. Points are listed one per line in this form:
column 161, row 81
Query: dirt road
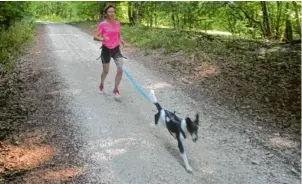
column 117, row 142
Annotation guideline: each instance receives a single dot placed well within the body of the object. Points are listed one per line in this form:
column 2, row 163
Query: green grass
column 55, row 18
column 12, row 40
column 188, row 41
column 51, row 18
column 267, row 83
column 170, row 40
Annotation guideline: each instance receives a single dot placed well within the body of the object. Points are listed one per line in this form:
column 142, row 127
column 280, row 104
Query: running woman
column 108, row 32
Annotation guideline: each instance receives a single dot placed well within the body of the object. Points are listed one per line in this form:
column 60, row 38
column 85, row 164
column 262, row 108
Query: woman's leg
column 119, row 73
column 106, row 61
column 104, row 73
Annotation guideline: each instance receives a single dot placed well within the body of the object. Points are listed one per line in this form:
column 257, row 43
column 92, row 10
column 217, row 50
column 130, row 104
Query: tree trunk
column 266, row 19
column 183, row 21
column 155, row 14
column 173, row 17
column 130, row 13
column 298, row 20
column 288, row 31
column 151, row 19
column 177, row 20
column 101, row 10
column 151, row 10
column 135, row 12
column 173, row 20
column 140, row 11
column 288, row 35
column 278, row 23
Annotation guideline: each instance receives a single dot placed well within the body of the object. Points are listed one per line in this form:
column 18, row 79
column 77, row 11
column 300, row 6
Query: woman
column 108, row 32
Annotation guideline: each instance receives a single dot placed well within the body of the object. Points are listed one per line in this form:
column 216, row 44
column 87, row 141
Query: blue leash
column 135, row 84
column 132, row 80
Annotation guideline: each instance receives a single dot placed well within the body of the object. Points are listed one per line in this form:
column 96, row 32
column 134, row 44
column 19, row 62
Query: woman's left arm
column 121, row 39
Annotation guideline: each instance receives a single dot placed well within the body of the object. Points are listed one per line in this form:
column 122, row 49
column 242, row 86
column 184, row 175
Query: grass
column 12, row 40
column 260, row 81
column 51, row 18
column 187, row 41
column 55, row 18
column 267, row 83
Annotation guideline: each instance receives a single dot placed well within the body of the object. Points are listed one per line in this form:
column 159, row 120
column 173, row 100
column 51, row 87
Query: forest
column 230, row 34
column 278, row 20
column 243, row 55
column 232, row 31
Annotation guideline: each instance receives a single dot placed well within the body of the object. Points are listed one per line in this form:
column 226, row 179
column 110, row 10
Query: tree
column 274, row 20
column 11, row 12
column 288, row 34
column 266, row 20
column 297, row 8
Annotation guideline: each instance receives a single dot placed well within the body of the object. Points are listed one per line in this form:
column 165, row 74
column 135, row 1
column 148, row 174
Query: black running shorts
column 107, row 54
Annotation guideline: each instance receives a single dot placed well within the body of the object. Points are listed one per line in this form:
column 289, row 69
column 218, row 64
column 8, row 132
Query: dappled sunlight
column 206, row 71
column 24, row 157
column 114, row 152
column 52, row 175
column 110, row 143
column 213, row 32
column 47, row 68
column 34, row 137
column 159, row 85
column 63, row 34
column 61, row 174
column 207, row 170
column 109, row 149
column 108, row 155
column 35, row 52
column 282, row 142
column 67, row 92
column 276, row 49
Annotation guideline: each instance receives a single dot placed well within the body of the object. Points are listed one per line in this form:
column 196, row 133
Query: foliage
column 16, row 28
column 251, row 19
column 183, row 23
column 263, row 81
column 12, row 40
column 10, row 12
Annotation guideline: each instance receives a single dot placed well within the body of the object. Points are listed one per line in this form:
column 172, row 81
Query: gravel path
column 117, row 142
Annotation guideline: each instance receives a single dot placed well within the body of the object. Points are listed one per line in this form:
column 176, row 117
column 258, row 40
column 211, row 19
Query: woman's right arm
column 97, row 36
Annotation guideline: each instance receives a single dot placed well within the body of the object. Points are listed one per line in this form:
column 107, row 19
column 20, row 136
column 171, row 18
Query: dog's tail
column 152, row 96
column 154, row 100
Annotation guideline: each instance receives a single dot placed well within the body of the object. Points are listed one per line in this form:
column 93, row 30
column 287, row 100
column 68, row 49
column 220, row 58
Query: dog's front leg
column 180, row 139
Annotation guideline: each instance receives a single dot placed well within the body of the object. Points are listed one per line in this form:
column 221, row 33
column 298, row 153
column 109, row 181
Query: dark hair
column 107, row 7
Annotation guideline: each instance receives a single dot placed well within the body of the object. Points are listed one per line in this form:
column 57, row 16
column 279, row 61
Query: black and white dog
column 178, row 127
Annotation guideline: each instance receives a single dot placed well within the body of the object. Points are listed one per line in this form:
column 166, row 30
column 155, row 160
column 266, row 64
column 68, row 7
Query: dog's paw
column 189, row 169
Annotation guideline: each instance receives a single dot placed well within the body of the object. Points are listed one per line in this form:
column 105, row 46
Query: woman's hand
column 122, row 43
column 105, row 38
column 98, row 37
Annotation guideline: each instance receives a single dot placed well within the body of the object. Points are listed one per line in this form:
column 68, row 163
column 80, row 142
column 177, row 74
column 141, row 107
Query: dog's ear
column 174, row 112
column 189, row 121
column 197, row 118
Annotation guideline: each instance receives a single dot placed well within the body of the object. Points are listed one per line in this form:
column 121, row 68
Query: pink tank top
column 111, row 31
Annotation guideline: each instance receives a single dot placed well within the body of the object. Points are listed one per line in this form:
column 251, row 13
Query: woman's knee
column 119, row 71
column 105, row 73
column 105, row 69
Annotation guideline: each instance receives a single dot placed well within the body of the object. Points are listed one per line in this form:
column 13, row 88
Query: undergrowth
column 261, row 80
column 58, row 19
column 12, row 40
column 251, row 74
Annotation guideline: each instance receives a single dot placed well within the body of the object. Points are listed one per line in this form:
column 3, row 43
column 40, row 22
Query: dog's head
column 192, row 127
